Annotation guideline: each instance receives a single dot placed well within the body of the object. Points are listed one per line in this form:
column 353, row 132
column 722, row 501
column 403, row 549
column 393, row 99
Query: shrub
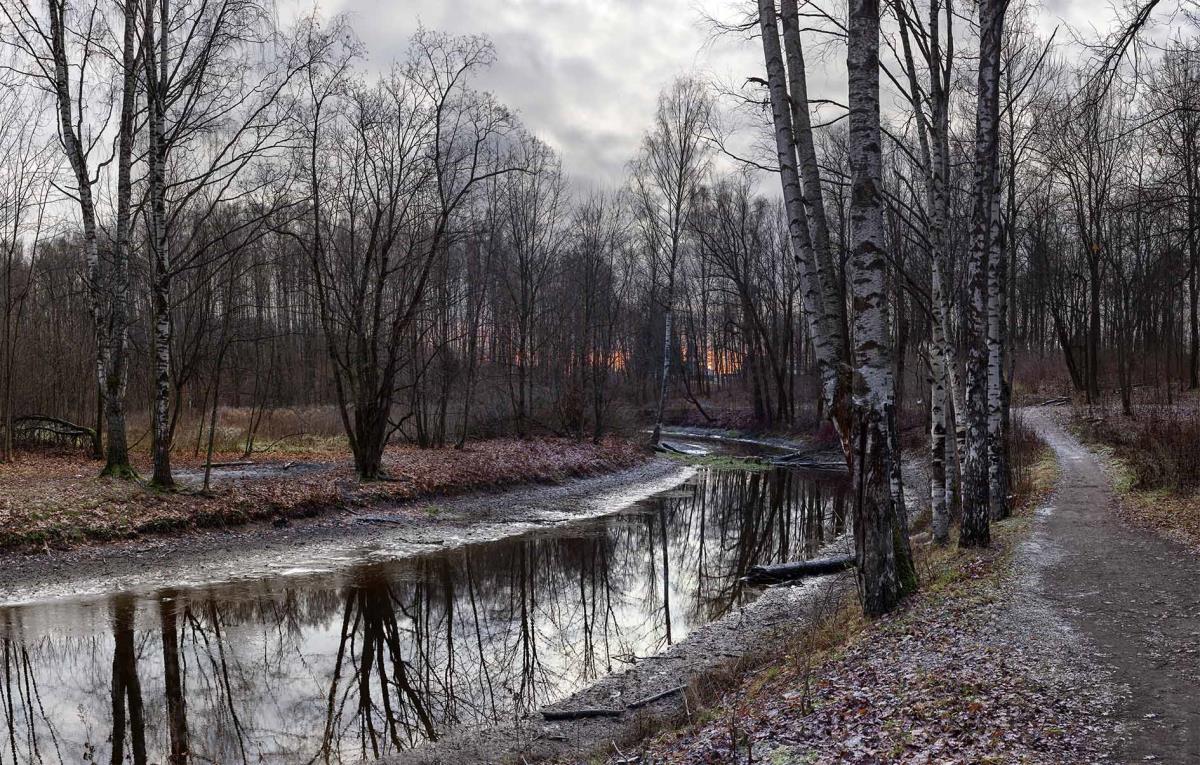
column 1158, row 445
column 1025, row 450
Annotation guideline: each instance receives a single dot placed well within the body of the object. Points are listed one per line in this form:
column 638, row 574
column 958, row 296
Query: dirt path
column 1133, row 595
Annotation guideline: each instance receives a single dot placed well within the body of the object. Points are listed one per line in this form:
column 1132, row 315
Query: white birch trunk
column 828, row 349
column 832, row 302
column 117, row 376
column 998, row 488
column 976, row 506
column 156, row 79
column 881, row 548
column 77, row 159
column 931, row 143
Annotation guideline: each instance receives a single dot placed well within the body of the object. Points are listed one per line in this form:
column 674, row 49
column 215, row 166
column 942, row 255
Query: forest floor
column 1073, row 639
column 56, row 499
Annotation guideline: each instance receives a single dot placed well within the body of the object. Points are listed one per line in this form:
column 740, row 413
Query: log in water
column 786, row 572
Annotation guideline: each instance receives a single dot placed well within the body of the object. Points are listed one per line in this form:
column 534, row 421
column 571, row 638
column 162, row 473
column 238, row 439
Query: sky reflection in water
column 383, row 656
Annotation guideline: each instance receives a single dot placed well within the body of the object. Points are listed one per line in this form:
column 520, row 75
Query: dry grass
column 1155, row 458
column 49, row 498
column 801, row 688
column 1160, row 446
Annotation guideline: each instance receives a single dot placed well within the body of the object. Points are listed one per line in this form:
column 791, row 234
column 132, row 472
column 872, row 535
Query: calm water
column 383, row 656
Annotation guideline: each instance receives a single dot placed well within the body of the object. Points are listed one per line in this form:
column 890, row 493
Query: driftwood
column 686, row 450
column 656, row 697
column 812, row 459
column 786, row 572
column 579, row 714
column 804, row 464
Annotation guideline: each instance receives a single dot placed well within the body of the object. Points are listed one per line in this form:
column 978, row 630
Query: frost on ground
column 975, row 669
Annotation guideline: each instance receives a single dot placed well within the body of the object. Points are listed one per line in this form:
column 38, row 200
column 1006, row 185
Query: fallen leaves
column 958, row 676
column 57, row 498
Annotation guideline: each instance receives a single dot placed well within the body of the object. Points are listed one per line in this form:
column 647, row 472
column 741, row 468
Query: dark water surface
column 379, row 657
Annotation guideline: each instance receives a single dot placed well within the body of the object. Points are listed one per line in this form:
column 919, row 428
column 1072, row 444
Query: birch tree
column 217, row 128
column 884, row 564
column 666, row 176
column 62, row 51
column 975, row 530
column 821, row 293
column 933, row 141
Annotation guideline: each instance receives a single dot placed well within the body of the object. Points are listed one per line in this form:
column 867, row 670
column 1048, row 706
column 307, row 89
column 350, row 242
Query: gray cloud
column 584, row 74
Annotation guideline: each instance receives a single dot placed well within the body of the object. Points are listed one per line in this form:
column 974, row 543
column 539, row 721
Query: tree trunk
column 370, row 426
column 827, row 341
column 810, row 173
column 939, row 511
column 173, row 679
column 156, row 78
column 108, row 312
column 885, row 570
column 996, row 326
column 1193, row 287
column 666, row 374
column 117, row 458
column 976, row 530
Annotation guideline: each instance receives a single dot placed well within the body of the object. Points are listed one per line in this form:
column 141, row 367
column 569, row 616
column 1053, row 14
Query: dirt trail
column 1133, row 595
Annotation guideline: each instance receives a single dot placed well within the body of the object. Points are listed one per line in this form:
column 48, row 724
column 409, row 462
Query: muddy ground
column 326, row 542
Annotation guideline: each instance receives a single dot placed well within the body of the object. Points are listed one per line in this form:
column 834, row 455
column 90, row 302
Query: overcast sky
column 584, row 74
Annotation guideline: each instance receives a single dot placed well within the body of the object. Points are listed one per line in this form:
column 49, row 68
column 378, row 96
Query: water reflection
column 384, row 656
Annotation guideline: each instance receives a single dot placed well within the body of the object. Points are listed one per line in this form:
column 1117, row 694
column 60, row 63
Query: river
column 380, row 656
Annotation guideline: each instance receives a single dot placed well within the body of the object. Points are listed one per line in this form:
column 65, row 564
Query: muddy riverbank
column 324, row 542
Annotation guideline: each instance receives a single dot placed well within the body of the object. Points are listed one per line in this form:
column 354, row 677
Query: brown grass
column 1155, row 458
column 1160, row 446
column 55, row 498
column 950, row 579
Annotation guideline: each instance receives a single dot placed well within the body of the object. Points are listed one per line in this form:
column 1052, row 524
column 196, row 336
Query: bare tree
column 27, row 165
column 885, row 569
column 666, row 176
column 976, row 505
column 63, row 60
column 396, row 167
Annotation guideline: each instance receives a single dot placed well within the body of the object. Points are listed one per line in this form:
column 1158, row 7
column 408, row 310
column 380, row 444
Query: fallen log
column 1056, row 401
column 811, row 459
column 579, row 714
column 811, row 464
column 787, row 572
column 656, row 697
column 35, row 430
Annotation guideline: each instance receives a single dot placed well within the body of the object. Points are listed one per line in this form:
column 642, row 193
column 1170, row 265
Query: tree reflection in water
column 336, row 667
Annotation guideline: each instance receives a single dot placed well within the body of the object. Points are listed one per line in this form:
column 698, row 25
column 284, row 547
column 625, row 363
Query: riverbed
column 393, row 644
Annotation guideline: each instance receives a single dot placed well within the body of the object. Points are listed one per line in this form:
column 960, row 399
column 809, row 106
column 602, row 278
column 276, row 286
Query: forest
column 896, row 332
